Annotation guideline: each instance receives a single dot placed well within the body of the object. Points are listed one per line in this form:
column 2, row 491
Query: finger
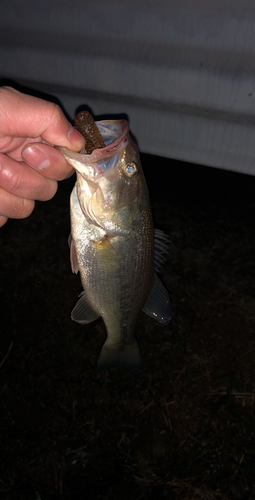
column 14, row 207
column 19, row 179
column 48, row 161
column 27, row 116
column 16, row 146
column 3, row 220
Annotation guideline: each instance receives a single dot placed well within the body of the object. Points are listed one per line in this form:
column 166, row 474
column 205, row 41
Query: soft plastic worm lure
column 86, row 125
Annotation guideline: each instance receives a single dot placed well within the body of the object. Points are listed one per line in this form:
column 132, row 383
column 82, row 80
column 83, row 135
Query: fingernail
column 73, row 135
column 35, row 157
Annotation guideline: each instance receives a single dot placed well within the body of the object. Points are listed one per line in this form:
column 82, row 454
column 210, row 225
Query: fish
column 113, row 243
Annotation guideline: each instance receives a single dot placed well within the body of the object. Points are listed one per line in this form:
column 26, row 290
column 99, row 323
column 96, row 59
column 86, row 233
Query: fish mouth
column 115, row 136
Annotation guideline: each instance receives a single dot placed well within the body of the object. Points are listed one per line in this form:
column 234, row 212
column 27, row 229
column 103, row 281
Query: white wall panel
column 182, row 70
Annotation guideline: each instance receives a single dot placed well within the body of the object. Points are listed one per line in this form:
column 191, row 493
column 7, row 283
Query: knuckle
column 56, row 114
column 47, row 190
column 5, row 143
column 13, row 177
column 6, row 96
column 23, row 208
column 14, row 207
column 10, row 179
column 51, row 191
column 3, row 220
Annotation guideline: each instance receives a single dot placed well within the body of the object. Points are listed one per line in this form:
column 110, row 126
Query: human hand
column 28, row 128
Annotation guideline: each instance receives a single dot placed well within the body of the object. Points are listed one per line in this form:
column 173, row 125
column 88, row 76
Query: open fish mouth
column 115, row 135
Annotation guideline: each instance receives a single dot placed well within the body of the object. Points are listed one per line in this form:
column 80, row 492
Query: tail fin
column 126, row 357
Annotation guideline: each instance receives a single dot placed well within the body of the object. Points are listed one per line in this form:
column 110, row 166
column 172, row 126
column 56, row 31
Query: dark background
column 183, row 428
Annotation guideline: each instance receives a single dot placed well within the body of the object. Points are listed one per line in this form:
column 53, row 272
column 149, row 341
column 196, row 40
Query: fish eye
column 130, row 169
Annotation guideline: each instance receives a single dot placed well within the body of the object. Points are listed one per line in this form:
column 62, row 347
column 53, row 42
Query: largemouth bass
column 113, row 244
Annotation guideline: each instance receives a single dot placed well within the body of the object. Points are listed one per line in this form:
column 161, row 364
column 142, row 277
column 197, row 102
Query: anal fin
column 83, row 313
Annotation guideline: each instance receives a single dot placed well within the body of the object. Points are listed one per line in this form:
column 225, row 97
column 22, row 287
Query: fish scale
column 113, row 245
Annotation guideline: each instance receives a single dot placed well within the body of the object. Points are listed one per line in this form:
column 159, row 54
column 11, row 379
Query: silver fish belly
column 112, row 244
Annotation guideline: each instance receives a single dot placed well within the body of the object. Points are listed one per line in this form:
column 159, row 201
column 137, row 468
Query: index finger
column 23, row 115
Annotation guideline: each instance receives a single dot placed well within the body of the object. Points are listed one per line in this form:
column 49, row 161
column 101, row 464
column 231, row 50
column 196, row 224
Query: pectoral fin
column 161, row 245
column 106, row 254
column 158, row 305
column 73, row 255
column 83, row 313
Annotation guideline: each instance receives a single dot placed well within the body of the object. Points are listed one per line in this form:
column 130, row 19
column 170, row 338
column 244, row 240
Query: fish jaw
column 87, row 164
column 111, row 198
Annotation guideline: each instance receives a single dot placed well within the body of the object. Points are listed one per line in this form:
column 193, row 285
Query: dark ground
column 181, row 429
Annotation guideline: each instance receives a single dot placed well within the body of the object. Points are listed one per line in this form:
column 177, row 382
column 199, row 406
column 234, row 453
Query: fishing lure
column 85, row 124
